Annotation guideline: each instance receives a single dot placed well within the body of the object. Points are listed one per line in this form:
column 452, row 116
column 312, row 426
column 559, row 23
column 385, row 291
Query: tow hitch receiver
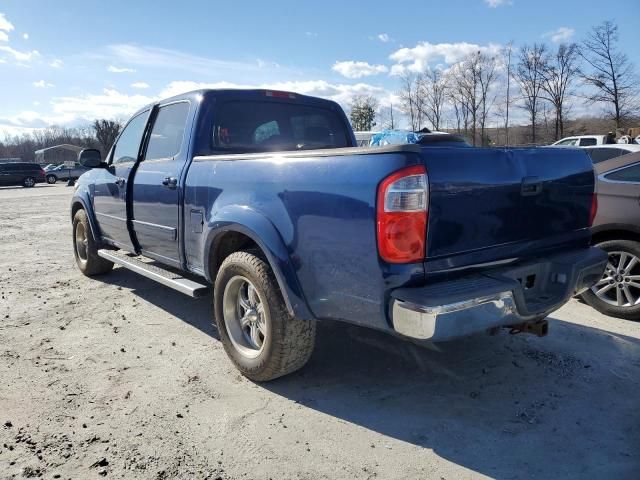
column 539, row 328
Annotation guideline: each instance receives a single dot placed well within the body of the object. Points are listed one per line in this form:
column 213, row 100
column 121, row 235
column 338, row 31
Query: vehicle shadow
column 503, row 406
column 199, row 313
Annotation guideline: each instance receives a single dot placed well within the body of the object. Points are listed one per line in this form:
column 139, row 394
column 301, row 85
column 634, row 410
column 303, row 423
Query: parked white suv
column 582, row 141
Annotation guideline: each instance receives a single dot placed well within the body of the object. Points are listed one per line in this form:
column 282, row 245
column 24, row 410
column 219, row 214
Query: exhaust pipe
column 539, row 328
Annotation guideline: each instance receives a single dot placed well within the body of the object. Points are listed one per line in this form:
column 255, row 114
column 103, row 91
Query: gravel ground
column 119, row 377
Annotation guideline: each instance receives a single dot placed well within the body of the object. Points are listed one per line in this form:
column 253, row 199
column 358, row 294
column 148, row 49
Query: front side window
column 168, row 131
column 245, row 126
column 628, row 174
column 128, row 145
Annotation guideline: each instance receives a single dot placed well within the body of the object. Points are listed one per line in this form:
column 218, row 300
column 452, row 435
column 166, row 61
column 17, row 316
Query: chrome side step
column 160, row 275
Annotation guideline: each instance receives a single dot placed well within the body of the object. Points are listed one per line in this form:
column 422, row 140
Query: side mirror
column 90, row 158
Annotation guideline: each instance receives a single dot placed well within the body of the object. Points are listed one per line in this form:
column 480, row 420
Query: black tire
column 28, row 182
column 628, row 313
column 51, row 179
column 91, row 264
column 290, row 341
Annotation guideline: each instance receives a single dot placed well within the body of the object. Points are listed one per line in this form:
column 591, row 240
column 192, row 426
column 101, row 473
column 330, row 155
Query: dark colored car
column 62, row 172
column 617, row 231
column 25, row 174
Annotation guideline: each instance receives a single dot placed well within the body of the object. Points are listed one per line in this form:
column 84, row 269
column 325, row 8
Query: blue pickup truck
column 262, row 198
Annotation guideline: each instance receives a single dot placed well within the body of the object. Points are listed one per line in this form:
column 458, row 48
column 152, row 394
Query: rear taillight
column 403, row 201
column 593, row 211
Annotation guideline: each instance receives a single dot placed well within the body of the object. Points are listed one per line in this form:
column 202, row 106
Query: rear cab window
column 587, row 142
column 255, row 126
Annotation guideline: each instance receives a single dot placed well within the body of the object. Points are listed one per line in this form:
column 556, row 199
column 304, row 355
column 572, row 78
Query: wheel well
column 76, row 206
column 607, row 235
column 225, row 245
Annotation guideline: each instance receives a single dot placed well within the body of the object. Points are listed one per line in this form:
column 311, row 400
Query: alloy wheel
column 620, row 284
column 245, row 317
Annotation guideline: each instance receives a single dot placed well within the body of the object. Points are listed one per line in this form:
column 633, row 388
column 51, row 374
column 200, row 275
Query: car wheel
column 51, row 179
column 28, row 182
column 618, row 292
column 259, row 335
column 85, row 249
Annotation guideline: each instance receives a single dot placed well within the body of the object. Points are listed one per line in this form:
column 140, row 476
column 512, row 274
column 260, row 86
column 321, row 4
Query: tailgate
column 487, row 205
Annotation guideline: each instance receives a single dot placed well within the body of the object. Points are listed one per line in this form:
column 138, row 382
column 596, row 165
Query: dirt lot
column 119, row 377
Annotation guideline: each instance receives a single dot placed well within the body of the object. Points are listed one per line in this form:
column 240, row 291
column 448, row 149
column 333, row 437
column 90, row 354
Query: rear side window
column 271, row 126
column 168, row 131
column 587, row 142
column 601, row 154
column 628, row 174
column 129, row 142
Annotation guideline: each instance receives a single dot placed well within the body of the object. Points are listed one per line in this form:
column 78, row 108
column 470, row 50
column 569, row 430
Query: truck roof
column 241, row 93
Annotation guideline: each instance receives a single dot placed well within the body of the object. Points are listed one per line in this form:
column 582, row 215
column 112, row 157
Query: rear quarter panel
column 323, row 212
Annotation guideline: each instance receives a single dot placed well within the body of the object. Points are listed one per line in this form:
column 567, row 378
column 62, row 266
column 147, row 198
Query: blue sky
column 66, row 62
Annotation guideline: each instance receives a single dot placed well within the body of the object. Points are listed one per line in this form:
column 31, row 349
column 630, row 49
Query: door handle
column 120, row 181
column 170, row 182
column 530, row 186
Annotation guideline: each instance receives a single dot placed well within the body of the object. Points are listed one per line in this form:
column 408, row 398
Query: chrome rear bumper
column 502, row 297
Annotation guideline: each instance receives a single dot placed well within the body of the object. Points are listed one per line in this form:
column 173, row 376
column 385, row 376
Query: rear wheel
column 618, row 292
column 85, row 249
column 28, row 182
column 260, row 337
column 51, row 179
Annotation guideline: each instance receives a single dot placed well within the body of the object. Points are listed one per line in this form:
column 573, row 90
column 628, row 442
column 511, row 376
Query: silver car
column 616, row 230
column 64, row 173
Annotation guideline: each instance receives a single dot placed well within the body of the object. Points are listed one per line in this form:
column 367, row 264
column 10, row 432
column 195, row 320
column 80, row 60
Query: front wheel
column 29, row 182
column 260, row 337
column 618, row 291
column 51, row 179
column 85, row 249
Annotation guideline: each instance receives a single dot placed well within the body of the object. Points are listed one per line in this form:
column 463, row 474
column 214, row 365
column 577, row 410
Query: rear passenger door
column 157, row 186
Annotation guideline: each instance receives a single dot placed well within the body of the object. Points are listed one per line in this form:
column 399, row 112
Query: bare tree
column 508, row 53
column 471, row 81
column 528, row 74
column 412, row 99
column 434, row 92
column 558, row 74
column 610, row 73
column 487, row 75
column 387, row 118
column 106, row 133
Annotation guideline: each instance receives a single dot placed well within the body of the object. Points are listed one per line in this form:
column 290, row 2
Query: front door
column 110, row 197
column 157, row 187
